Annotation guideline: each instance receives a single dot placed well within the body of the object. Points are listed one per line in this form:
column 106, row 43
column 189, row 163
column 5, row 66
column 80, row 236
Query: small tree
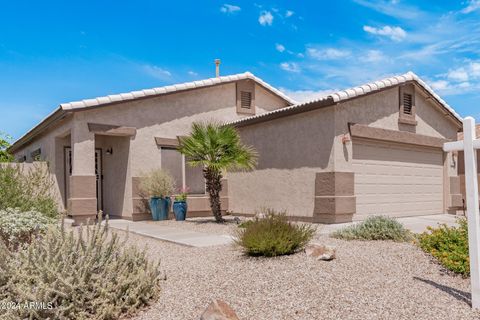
column 5, row 156
column 217, row 148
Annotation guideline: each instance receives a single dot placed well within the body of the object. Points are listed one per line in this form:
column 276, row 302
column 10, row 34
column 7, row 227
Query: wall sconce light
column 109, row 151
column 346, row 138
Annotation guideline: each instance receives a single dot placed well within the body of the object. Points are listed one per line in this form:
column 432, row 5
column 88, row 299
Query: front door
column 98, row 175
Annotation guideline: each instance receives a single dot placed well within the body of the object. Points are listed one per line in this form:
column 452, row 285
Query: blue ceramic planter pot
column 160, row 208
column 180, row 210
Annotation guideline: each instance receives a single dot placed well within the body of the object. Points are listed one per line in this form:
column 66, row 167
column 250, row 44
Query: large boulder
column 320, row 251
column 219, row 310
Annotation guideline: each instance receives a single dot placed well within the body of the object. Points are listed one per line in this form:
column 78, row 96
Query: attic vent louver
column 407, row 103
column 246, row 99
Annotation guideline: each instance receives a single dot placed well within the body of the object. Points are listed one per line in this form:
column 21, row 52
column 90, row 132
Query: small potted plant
column 180, row 205
column 158, row 184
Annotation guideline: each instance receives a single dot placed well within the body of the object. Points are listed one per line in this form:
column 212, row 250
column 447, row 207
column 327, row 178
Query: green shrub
column 449, row 245
column 375, row 228
column 245, row 223
column 89, row 275
column 27, row 189
column 273, row 236
column 157, row 183
column 19, row 227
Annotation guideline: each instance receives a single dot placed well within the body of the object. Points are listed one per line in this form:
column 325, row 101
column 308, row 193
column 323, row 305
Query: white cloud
column 279, row 47
column 373, row 56
column 463, row 79
column 475, row 69
column 440, row 85
column 473, row 5
column 392, row 8
column 290, row 67
column 458, row 75
column 306, row 95
column 229, row 8
column 328, row 53
column 289, row 13
column 265, row 18
column 192, row 73
column 394, row 33
column 156, row 72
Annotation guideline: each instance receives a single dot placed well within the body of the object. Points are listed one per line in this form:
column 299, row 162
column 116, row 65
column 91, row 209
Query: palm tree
column 216, row 148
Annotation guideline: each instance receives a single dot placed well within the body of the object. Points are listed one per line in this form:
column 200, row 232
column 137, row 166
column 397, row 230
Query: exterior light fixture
column 346, row 138
column 109, row 151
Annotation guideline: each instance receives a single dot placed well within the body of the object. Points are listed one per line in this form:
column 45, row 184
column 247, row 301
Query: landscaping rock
column 320, row 251
column 219, row 310
column 260, row 215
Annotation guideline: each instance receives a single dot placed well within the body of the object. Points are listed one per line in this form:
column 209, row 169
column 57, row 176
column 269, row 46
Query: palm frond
column 216, row 146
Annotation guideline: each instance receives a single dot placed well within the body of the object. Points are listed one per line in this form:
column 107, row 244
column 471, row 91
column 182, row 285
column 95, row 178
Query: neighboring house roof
column 477, row 133
column 347, row 94
column 64, row 108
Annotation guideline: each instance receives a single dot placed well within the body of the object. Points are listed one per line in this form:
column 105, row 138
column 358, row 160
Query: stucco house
column 98, row 149
column 373, row 149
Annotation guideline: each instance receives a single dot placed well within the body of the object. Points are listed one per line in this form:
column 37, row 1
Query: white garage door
column 397, row 181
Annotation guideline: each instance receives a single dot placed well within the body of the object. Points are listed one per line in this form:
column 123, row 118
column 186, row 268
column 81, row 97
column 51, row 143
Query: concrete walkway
column 414, row 224
column 178, row 236
column 201, row 239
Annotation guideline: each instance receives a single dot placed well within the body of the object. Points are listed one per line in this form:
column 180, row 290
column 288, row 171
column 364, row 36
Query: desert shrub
column 19, row 227
column 245, row 223
column 449, row 245
column 89, row 275
column 375, row 228
column 157, row 183
column 5, row 140
column 27, row 189
column 273, row 236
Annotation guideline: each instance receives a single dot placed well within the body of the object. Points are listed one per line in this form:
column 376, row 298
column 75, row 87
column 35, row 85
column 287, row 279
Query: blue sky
column 58, row 51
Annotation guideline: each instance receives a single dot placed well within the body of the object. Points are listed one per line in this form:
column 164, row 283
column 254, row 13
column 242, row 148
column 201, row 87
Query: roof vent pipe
column 217, row 68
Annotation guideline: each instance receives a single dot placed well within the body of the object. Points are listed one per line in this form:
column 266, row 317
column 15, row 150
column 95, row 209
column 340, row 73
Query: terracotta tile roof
column 352, row 93
column 169, row 89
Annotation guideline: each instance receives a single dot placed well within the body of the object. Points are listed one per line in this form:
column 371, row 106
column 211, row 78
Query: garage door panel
column 397, row 180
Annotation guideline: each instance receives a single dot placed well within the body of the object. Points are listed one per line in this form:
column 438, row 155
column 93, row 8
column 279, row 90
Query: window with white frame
column 184, row 175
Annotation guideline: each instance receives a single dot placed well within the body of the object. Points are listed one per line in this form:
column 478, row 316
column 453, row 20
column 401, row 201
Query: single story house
column 98, row 149
column 373, row 149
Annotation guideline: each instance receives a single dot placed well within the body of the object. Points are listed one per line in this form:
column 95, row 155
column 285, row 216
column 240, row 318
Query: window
column 172, row 163
column 22, row 159
column 184, row 175
column 246, row 99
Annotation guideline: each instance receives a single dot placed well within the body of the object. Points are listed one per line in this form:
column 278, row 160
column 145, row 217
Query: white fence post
column 471, row 187
column 469, row 145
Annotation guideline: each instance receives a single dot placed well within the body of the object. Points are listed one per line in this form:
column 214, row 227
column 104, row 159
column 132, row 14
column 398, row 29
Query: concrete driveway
column 415, row 224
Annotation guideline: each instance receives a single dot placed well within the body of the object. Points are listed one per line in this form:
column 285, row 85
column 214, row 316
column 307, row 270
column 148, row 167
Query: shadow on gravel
column 457, row 294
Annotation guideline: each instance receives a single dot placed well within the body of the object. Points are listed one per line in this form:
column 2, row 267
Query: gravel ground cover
column 368, row 280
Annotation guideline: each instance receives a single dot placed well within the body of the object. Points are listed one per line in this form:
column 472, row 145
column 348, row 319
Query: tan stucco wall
column 165, row 116
column 380, row 110
column 291, row 150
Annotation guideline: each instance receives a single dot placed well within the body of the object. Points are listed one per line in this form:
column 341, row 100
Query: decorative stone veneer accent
column 82, row 204
column 334, row 197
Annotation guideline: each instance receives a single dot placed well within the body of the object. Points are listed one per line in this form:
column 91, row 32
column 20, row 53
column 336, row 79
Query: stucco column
column 335, row 201
column 82, row 203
